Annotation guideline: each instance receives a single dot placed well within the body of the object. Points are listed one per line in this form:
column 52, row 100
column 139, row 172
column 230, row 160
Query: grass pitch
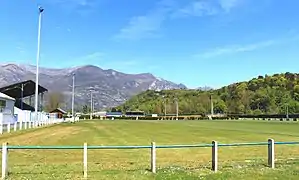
column 188, row 163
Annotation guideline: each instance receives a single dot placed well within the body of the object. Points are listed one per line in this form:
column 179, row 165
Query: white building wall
column 22, row 115
column 7, row 114
column 28, row 116
column 9, row 106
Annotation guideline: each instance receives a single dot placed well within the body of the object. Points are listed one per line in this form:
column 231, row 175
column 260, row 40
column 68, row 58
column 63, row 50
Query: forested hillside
column 262, row 95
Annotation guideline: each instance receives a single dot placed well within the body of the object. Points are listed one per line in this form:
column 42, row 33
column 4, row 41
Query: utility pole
column 287, row 109
column 37, row 61
column 73, row 97
column 165, row 108
column 164, row 100
column 91, row 104
column 177, row 108
column 212, row 106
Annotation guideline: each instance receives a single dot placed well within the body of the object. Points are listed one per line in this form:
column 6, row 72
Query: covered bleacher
column 21, row 110
column 25, row 89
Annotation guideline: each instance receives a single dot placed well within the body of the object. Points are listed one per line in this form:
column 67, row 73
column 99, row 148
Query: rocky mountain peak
column 110, row 87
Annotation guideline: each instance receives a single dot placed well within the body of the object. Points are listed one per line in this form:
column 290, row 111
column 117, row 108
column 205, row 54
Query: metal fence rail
column 148, row 147
column 214, row 145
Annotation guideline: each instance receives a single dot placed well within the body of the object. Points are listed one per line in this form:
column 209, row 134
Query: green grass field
column 188, row 163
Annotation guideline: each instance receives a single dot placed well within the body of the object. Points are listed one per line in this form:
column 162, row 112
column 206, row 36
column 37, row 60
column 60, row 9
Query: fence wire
column 50, row 163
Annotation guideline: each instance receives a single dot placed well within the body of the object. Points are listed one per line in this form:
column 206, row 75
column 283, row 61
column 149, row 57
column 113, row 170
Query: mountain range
column 109, row 87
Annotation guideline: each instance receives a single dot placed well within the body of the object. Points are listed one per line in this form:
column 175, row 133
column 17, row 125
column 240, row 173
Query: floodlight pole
column 91, row 104
column 73, row 97
column 22, row 94
column 37, row 61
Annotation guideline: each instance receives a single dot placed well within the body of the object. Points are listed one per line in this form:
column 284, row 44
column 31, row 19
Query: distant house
column 114, row 114
column 100, row 113
column 135, row 114
column 60, row 112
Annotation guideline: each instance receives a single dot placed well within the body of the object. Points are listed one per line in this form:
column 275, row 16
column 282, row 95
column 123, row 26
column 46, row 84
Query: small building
column 135, row 114
column 59, row 113
column 114, row 114
column 100, row 114
column 6, row 109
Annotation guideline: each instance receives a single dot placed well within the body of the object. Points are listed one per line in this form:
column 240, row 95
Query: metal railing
column 214, row 145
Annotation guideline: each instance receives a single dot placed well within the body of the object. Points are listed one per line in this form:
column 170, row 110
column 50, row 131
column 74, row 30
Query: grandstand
column 22, row 111
column 25, row 89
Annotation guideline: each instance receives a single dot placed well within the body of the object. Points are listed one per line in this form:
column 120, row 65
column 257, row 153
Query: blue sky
column 195, row 42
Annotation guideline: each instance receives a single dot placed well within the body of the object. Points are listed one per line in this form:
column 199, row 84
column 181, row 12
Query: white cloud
column 196, row 8
column 149, row 24
column 232, row 49
column 141, row 27
column 92, row 56
column 238, row 48
column 89, row 58
column 72, row 2
column 20, row 46
column 79, row 6
column 207, row 7
column 227, row 5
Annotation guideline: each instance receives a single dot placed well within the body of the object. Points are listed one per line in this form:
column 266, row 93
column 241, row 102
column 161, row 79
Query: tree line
column 274, row 94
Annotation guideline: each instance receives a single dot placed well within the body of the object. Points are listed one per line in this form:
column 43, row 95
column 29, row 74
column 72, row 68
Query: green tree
column 262, row 95
column 85, row 109
column 220, row 107
column 296, row 92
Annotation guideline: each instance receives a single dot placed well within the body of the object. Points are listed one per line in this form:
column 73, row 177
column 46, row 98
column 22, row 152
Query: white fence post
column 15, row 126
column 26, row 125
column 85, row 160
column 29, row 124
column 4, row 160
column 1, row 128
column 215, row 156
column 8, row 127
column 271, row 156
column 153, row 157
column 20, row 125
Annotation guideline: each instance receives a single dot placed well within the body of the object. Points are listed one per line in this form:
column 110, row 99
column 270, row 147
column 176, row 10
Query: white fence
column 26, row 120
column 214, row 145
